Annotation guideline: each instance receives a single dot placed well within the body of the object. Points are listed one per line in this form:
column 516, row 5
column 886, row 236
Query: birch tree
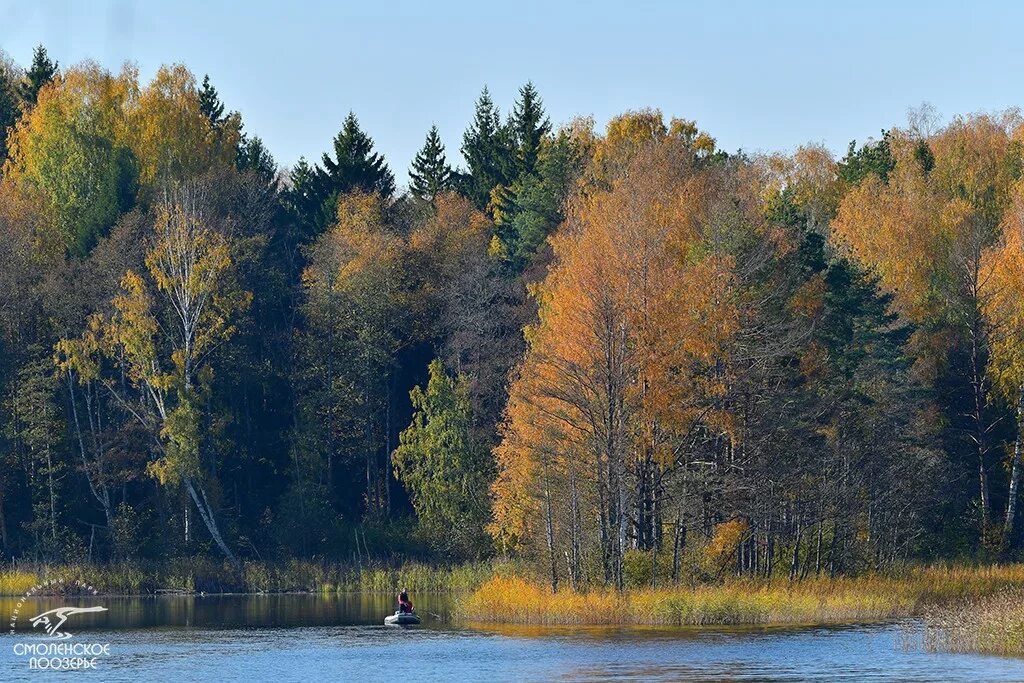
column 162, row 335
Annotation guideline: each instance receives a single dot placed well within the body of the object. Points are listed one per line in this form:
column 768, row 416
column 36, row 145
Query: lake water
column 316, row 638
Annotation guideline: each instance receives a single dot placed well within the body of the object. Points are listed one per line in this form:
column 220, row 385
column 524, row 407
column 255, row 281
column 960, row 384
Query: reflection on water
column 313, row 638
column 227, row 611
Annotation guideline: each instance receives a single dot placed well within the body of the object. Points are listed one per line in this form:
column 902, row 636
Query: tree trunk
column 100, row 492
column 206, row 513
column 1015, row 468
column 978, row 391
column 549, row 529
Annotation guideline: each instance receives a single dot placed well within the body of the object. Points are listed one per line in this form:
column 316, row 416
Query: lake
column 326, row 638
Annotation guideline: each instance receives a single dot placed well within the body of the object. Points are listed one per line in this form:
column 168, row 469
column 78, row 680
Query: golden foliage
column 170, row 135
column 1003, row 279
column 636, row 319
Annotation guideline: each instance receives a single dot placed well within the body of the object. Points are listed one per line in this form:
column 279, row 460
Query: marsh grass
column 195, row 575
column 992, row 624
column 507, row 599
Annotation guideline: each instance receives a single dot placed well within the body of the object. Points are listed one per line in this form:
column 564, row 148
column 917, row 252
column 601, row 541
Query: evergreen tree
column 530, row 126
column 485, row 145
column 303, row 198
column 254, row 156
column 39, row 74
column 874, row 156
column 210, row 104
column 430, row 172
column 355, row 165
column 8, row 110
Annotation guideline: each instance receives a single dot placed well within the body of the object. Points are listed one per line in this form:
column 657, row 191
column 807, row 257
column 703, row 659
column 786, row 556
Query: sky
column 758, row 76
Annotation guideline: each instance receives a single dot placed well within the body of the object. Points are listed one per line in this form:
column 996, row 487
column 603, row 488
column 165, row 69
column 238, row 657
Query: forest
column 597, row 350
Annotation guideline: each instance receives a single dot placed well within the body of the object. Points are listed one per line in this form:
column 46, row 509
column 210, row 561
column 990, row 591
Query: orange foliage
column 636, row 319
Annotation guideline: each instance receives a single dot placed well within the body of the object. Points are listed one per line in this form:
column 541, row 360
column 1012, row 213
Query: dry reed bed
column 513, row 600
column 992, row 624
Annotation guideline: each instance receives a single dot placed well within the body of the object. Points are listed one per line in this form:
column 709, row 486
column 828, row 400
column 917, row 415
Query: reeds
column 992, row 624
column 741, row 601
column 196, row 575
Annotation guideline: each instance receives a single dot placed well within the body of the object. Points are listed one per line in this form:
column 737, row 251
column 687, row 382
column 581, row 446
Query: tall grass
column 194, row 575
column 514, row 600
column 992, row 624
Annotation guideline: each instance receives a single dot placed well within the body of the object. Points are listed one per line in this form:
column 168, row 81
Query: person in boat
column 404, row 603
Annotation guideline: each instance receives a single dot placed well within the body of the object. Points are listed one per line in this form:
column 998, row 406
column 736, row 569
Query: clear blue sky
column 759, row 76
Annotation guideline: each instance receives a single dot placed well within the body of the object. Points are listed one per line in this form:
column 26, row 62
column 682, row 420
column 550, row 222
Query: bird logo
column 53, row 619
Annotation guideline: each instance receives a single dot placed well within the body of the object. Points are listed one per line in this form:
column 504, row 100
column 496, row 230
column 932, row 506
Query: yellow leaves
column 171, row 137
column 455, row 227
column 1003, row 300
column 358, row 252
column 922, row 231
column 496, row 249
column 68, row 152
column 132, row 331
column 637, row 317
column 190, row 264
column 82, row 355
column 722, row 548
column 896, row 230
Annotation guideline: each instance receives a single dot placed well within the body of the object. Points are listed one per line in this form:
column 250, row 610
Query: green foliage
column 9, row 109
column 38, row 427
column 254, row 157
column 530, row 127
column 69, row 151
column 355, row 165
column 430, row 172
column 537, row 201
column 872, row 157
column 445, row 471
column 41, row 72
column 210, row 104
column 488, row 149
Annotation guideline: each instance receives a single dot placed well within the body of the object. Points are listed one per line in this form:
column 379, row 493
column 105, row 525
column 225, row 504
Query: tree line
column 597, row 351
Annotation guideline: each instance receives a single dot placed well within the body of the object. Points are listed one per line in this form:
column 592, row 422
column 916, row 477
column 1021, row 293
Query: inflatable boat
column 402, row 619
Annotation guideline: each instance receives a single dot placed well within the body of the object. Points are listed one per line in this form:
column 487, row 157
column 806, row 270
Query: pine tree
column 485, row 145
column 529, row 125
column 39, row 74
column 355, row 166
column 210, row 104
column 430, row 172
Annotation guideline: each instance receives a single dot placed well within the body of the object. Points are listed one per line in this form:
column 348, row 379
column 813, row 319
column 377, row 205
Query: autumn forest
column 614, row 353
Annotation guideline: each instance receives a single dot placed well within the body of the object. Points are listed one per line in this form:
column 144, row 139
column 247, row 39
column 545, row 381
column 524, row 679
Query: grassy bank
column 206, row 576
column 812, row 601
column 991, row 624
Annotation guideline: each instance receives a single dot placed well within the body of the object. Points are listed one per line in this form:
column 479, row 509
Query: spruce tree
column 430, row 172
column 39, row 74
column 254, row 156
column 355, row 165
column 8, row 110
column 529, row 125
column 210, row 104
column 485, row 145
column 303, row 198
